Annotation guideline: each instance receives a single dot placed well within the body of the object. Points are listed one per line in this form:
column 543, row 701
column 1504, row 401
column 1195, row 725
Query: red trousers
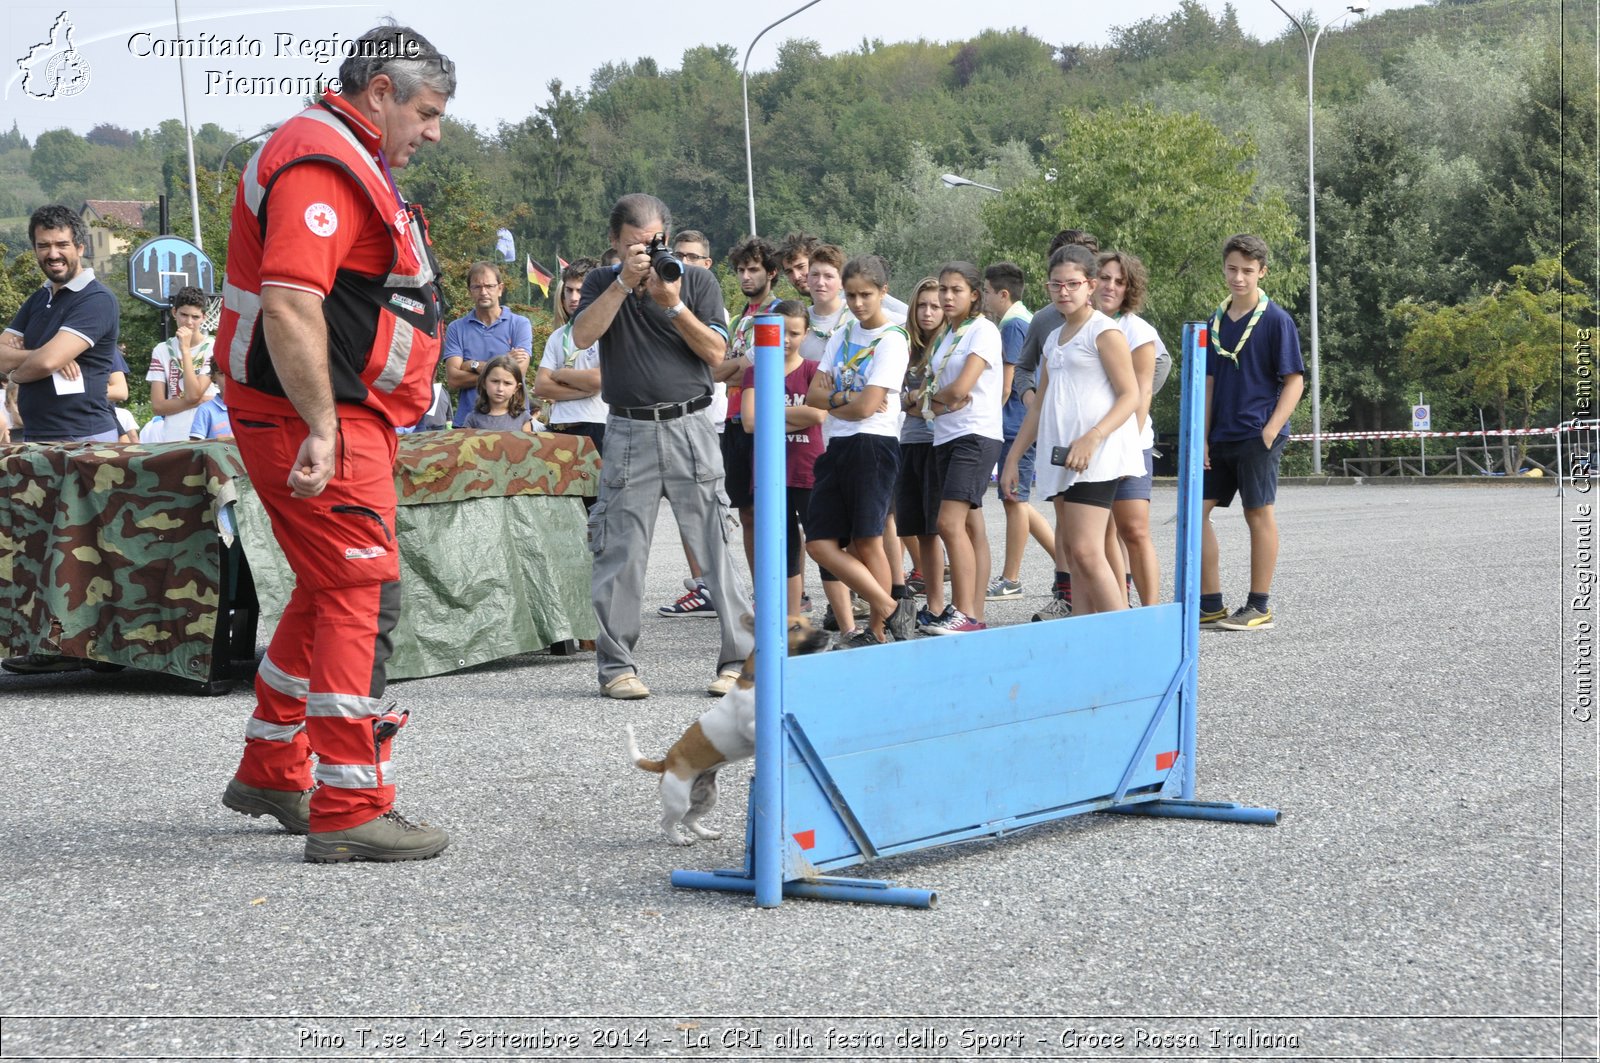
column 319, row 687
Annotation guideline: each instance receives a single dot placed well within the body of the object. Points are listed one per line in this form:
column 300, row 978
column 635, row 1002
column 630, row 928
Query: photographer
column 662, row 329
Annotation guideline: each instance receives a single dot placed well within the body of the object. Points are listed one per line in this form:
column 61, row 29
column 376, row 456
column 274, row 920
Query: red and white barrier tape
column 1333, row 436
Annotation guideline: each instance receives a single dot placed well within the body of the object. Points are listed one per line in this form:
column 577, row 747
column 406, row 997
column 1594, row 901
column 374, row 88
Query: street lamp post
column 1311, row 214
column 952, row 180
column 749, row 166
column 188, row 130
column 223, row 165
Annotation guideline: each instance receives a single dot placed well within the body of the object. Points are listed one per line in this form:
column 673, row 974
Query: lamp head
column 1359, row 6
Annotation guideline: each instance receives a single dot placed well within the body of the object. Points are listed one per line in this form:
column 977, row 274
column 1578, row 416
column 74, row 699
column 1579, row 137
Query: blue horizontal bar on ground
column 858, row 891
column 1224, row 811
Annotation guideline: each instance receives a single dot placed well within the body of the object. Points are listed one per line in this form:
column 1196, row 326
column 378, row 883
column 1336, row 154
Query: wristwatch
column 674, row 311
column 473, row 367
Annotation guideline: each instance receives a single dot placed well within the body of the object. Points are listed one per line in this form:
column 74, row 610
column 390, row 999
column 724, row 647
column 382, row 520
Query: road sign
column 1421, row 418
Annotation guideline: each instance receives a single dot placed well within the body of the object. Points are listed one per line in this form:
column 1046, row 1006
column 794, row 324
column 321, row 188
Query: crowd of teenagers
column 900, row 416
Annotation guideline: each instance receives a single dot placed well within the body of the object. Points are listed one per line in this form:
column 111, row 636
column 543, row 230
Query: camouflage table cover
column 493, row 547
column 112, row 552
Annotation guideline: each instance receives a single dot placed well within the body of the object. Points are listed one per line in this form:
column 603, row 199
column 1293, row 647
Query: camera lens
column 669, row 267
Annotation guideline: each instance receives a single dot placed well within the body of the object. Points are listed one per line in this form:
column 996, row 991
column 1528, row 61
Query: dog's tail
column 657, row 766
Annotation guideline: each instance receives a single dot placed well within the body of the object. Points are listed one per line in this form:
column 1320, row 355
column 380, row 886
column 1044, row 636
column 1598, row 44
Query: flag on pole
column 562, row 263
column 538, row 276
column 505, row 245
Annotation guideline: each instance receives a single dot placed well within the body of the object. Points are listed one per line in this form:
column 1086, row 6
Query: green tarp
column 493, row 554
column 114, row 553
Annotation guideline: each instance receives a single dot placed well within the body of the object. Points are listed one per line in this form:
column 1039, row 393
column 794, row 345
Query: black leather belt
column 666, row 411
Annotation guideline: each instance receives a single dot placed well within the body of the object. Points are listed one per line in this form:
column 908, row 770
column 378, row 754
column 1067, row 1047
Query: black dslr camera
column 668, row 266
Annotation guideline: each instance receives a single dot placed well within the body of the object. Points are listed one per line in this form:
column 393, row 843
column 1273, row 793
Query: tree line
column 1453, row 162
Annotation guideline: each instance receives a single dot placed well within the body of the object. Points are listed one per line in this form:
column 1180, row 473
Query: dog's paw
column 678, row 839
column 705, row 832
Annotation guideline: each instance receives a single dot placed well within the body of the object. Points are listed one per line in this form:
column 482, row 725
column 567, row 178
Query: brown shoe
column 291, row 808
column 389, row 838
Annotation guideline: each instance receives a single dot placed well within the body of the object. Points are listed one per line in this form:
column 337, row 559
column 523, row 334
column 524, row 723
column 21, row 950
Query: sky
column 504, row 59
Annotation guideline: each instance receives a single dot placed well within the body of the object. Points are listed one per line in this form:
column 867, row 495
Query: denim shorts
column 1137, row 488
column 1024, row 468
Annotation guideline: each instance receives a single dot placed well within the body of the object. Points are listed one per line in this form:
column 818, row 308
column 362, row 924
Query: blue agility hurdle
column 874, row 753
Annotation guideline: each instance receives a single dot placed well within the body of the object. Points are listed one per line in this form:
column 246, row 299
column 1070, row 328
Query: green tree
column 922, row 224
column 19, row 278
column 1504, row 350
column 562, row 189
column 461, row 219
column 1169, row 188
column 61, row 159
column 1541, row 185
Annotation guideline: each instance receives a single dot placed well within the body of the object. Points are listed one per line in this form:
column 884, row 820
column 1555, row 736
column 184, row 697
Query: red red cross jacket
column 384, row 322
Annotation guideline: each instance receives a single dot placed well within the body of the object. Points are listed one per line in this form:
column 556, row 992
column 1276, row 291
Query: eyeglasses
column 483, row 287
column 690, row 256
column 1064, row 286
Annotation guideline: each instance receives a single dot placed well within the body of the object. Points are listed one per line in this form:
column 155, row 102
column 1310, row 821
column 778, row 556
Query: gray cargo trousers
column 643, row 462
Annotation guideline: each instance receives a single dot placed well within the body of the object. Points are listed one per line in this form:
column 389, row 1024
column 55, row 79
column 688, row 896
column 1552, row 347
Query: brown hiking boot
column 291, row 808
column 388, row 838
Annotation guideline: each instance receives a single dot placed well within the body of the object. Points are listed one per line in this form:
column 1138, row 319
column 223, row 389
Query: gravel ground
column 1405, row 717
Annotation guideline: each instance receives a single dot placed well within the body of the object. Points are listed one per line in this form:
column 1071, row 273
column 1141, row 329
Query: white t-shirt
column 560, row 353
column 1077, row 395
column 981, row 416
column 166, row 372
column 126, row 421
column 1140, row 332
column 821, row 329
column 884, row 367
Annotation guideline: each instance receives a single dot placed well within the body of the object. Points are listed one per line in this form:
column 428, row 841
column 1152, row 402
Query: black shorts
column 797, row 502
column 854, row 486
column 1246, row 468
column 739, row 465
column 916, row 498
column 595, row 430
column 1096, row 493
column 964, row 466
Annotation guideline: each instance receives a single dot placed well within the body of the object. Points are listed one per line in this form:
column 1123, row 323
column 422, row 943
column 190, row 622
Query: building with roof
column 103, row 241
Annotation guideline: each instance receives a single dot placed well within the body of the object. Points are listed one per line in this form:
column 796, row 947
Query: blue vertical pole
column 1191, row 474
column 772, row 596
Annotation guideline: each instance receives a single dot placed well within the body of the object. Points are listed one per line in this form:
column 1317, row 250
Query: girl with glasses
column 1083, row 421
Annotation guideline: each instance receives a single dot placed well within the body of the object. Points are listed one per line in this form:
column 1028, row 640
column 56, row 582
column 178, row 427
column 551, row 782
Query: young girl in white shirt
column 1083, row 422
column 858, row 382
column 1122, row 284
column 965, row 380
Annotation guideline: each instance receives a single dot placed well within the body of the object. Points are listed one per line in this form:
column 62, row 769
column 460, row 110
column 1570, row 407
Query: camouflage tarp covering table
column 493, row 547
column 113, row 553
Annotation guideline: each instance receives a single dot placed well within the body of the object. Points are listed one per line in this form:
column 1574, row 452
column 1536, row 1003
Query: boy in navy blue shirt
column 1254, row 380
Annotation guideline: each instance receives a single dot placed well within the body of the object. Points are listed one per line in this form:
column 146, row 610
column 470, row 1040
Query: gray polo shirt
column 643, row 359
column 1046, row 320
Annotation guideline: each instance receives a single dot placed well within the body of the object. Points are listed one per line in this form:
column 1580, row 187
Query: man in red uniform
column 329, row 338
